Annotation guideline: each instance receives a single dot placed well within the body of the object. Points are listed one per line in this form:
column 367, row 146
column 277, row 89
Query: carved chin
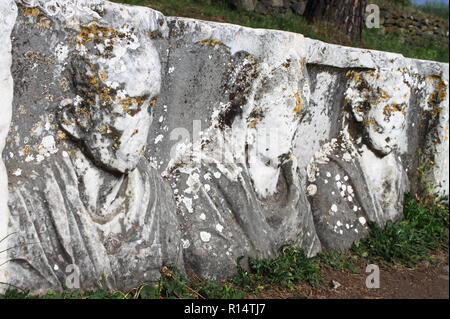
column 114, row 161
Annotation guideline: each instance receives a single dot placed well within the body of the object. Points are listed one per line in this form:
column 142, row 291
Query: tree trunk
column 347, row 15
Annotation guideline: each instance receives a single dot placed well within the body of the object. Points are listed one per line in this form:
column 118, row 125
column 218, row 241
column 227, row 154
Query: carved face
column 381, row 108
column 116, row 82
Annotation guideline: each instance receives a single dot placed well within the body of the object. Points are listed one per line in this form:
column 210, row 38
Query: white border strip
column 8, row 16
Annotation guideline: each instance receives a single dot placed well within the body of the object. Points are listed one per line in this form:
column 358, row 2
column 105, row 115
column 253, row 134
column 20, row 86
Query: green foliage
column 173, row 285
column 214, row 290
column 436, row 8
column 430, row 218
column 66, row 294
column 337, row 260
column 290, row 268
column 401, row 2
column 425, row 173
column 14, row 294
column 424, row 228
column 426, row 48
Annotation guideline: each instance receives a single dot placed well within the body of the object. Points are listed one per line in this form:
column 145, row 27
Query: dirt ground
column 426, row 281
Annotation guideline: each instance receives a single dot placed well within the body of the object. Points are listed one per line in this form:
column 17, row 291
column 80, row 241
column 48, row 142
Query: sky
column 424, row 1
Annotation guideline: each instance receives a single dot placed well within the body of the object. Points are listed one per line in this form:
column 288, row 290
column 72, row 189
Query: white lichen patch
column 185, row 243
column 47, row 147
column 205, row 236
column 362, row 220
column 194, row 184
column 159, row 139
column 17, row 172
column 188, row 204
column 312, row 190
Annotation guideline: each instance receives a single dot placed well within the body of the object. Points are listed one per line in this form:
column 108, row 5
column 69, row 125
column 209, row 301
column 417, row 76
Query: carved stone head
column 116, row 78
column 381, row 108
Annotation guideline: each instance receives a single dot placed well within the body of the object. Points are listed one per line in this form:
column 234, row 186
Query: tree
column 347, row 15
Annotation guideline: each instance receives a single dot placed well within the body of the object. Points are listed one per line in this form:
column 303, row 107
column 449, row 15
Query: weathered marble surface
column 138, row 140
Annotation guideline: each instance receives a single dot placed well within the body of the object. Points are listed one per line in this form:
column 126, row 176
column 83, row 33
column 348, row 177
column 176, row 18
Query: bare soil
column 426, row 281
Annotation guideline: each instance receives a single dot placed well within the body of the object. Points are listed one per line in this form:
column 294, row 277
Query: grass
column 287, row 270
column 67, row 294
column 338, row 260
column 407, row 242
column 172, row 285
column 435, row 8
column 428, row 48
column 431, row 9
column 424, row 48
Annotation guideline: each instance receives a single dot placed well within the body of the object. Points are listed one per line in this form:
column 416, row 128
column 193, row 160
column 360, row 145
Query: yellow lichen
column 128, row 102
column 93, row 80
column 36, row 127
column 44, row 22
column 287, row 64
column 253, row 124
column 106, row 97
column 384, row 94
column 210, row 42
column 153, row 101
column 103, row 129
column 358, row 76
column 298, row 103
column 370, row 121
column 61, row 135
column 257, row 114
column 32, row 12
column 438, row 95
column 27, row 149
column 391, row 108
column 70, row 153
column 93, row 31
column 64, row 84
